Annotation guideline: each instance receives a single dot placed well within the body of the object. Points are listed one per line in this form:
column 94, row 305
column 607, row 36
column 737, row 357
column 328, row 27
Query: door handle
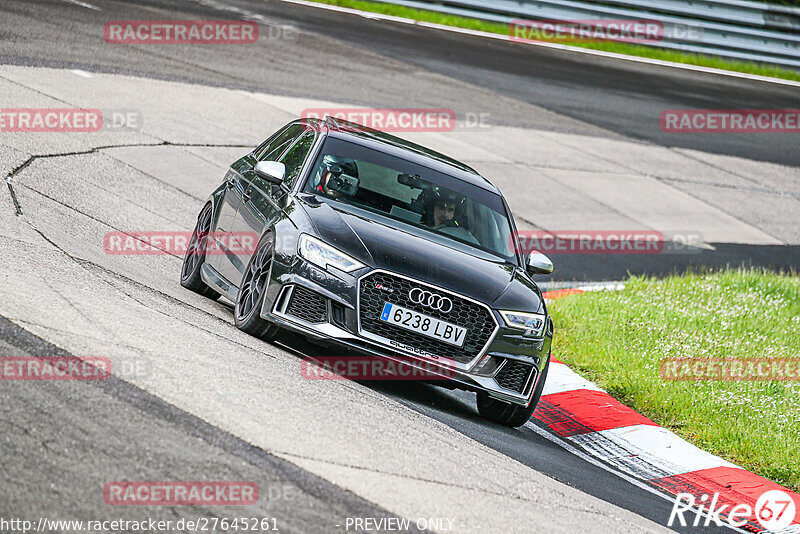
column 229, row 184
column 247, row 194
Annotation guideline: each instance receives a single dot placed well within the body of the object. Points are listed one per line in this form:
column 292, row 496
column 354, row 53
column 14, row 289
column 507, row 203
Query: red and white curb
column 590, row 419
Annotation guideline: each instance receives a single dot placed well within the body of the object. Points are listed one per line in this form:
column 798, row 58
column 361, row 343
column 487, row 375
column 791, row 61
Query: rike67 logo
column 774, row 510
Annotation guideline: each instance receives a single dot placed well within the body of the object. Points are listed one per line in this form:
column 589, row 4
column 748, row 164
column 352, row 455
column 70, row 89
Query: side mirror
column 538, row 263
column 271, row 171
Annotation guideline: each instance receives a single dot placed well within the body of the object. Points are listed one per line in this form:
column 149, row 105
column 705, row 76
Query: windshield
column 412, row 194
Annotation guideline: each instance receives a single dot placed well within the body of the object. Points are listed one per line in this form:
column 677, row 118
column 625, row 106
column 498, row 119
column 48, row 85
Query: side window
column 294, row 158
column 266, row 144
column 273, row 148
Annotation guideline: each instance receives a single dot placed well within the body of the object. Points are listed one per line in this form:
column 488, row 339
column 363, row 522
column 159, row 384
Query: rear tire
column 252, row 290
column 196, row 256
column 508, row 414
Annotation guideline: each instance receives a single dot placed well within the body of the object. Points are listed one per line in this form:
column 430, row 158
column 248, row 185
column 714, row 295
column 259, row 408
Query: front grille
column 475, row 318
column 307, row 305
column 514, row 375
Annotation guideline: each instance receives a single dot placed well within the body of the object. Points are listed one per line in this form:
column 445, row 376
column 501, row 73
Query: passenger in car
column 329, row 177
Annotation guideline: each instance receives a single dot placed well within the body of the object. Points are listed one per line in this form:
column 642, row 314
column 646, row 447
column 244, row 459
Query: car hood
column 385, row 246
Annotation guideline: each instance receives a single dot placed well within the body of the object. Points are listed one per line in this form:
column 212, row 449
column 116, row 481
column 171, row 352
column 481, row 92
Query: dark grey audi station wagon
column 377, row 246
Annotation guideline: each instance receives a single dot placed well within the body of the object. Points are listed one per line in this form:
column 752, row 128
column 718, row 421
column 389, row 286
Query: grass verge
column 618, row 338
column 620, row 48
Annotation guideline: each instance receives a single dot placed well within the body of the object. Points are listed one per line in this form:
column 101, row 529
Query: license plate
column 423, row 324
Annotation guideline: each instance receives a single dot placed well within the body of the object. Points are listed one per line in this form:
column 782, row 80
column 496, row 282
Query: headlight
column 525, row 321
column 323, row 255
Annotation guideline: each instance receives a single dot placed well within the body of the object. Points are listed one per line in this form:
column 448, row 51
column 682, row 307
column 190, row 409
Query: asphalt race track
column 572, row 140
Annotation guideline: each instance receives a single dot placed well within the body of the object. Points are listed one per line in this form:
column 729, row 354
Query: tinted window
column 412, row 194
column 294, row 158
column 275, row 147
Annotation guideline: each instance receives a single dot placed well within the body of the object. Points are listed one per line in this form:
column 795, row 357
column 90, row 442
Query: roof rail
column 343, row 124
column 331, row 121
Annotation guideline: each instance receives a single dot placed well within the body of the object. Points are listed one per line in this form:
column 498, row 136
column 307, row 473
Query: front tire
column 508, row 414
column 196, row 256
column 252, row 290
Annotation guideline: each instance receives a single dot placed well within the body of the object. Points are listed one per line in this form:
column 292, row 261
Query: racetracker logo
column 774, row 510
column 180, row 32
column 391, row 119
column 180, row 493
column 178, row 243
column 730, row 121
column 55, row 368
column 566, row 31
column 589, row 242
column 730, row 369
column 369, row 368
column 50, row 120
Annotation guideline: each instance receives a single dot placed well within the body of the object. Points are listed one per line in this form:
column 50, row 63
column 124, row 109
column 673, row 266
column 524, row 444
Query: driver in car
column 443, row 210
column 440, row 214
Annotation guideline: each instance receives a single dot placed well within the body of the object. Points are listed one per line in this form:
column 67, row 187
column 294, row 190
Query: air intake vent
column 514, row 375
column 307, row 305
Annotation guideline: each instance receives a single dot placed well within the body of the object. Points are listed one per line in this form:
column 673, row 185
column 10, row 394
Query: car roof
column 401, row 148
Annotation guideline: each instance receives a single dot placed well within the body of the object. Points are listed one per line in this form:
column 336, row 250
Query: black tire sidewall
column 508, row 414
column 253, row 319
column 193, row 280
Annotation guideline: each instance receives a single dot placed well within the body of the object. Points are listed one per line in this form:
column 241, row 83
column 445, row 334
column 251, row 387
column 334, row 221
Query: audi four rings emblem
column 430, row 300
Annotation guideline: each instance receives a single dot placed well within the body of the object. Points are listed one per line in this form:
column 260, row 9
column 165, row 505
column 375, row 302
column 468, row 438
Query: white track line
column 83, row 4
column 244, row 13
column 577, row 50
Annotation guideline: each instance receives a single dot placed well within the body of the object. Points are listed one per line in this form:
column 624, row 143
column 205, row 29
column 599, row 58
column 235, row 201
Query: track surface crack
column 22, row 166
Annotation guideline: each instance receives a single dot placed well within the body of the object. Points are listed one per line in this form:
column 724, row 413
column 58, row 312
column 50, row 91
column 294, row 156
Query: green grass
column 620, row 48
column 792, row 3
column 617, row 339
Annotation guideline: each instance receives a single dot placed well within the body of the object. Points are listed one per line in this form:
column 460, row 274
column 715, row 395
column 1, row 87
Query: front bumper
column 328, row 311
